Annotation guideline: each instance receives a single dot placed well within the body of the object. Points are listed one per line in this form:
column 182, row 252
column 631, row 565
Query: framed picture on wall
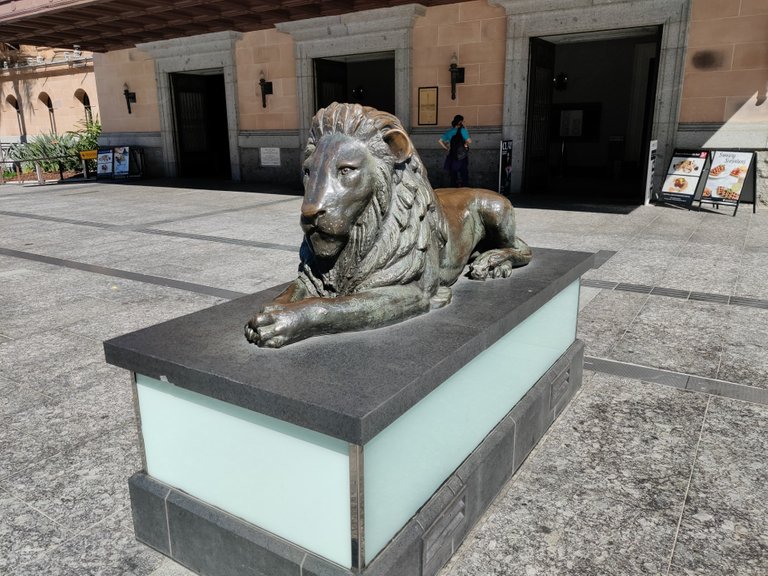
column 428, row 106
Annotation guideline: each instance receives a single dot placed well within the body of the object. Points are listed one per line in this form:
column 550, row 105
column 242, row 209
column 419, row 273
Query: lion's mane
column 393, row 241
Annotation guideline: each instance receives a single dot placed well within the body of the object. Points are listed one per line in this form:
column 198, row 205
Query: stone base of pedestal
column 215, row 543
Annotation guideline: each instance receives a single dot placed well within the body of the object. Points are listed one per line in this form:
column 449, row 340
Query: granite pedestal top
column 349, row 386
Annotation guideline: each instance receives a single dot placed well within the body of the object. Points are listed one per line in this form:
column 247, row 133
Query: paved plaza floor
column 659, row 465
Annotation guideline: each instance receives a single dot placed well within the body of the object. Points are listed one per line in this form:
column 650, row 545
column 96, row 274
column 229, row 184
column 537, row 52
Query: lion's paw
column 251, row 334
column 491, row 264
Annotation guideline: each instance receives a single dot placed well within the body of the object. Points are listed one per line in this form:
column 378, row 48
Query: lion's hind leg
column 504, row 249
column 499, row 262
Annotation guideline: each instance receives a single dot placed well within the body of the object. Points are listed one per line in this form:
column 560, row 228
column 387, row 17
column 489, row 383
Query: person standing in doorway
column 456, row 142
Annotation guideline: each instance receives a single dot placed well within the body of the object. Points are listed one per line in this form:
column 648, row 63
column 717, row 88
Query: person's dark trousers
column 460, row 177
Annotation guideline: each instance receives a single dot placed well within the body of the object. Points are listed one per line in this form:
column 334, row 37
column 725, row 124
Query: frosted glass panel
column 412, row 457
column 285, row 479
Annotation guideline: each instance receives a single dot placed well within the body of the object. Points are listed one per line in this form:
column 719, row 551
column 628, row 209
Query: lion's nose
column 310, row 213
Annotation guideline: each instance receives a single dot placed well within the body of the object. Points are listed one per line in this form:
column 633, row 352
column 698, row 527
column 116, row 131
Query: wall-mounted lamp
column 266, row 88
column 560, row 81
column 457, row 75
column 130, row 97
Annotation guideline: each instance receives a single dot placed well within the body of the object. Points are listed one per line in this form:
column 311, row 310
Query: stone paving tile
column 15, row 397
column 62, row 423
column 744, row 359
column 724, row 529
column 130, row 317
column 80, row 487
column 602, row 323
column 277, row 223
column 44, row 360
column 753, row 280
column 600, row 495
column 25, row 534
column 50, row 315
column 108, row 548
column 677, row 335
column 636, row 266
column 598, row 499
column 718, row 275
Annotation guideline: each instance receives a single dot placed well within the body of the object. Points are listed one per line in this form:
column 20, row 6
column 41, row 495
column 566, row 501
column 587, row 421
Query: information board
column 682, row 180
column 270, row 156
column 651, row 169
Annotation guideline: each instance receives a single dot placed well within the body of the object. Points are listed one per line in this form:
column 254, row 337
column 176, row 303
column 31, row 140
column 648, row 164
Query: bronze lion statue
column 380, row 245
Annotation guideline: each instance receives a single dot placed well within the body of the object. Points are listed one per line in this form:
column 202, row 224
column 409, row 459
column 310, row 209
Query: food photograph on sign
column 121, row 160
column 676, row 184
column 726, row 176
column 688, row 166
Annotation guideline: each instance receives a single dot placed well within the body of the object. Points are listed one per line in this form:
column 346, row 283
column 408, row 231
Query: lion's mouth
column 323, row 243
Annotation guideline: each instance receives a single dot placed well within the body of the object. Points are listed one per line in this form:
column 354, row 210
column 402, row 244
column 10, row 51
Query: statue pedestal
column 362, row 453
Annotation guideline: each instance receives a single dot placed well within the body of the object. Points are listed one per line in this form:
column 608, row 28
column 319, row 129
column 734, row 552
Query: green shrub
column 52, row 150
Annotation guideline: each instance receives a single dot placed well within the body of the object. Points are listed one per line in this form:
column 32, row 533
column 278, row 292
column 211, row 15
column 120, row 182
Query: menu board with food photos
column 683, row 176
column 104, row 162
column 121, row 161
column 727, row 175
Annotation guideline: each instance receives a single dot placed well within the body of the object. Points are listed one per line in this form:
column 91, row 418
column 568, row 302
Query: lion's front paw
column 275, row 326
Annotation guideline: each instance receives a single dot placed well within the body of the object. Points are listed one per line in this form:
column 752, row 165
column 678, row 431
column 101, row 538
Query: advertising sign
column 122, row 161
column 726, row 177
column 104, row 162
column 683, row 175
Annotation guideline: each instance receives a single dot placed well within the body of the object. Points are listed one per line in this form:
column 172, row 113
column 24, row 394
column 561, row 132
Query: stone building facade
column 44, row 90
column 683, row 73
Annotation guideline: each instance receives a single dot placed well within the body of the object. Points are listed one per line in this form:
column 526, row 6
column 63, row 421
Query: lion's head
column 369, row 214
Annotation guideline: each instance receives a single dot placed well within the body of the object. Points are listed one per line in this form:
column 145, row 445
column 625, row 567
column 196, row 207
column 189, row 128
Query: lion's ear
column 399, row 144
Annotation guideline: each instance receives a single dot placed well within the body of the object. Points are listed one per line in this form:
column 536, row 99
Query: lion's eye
column 306, row 172
column 346, row 170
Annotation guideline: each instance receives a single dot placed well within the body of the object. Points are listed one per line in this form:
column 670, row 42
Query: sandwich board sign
column 683, row 176
column 728, row 178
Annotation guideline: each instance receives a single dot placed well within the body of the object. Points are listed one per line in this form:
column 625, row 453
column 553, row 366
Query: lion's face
column 339, row 178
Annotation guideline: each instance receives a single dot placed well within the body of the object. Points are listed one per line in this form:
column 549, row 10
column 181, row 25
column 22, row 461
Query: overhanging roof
column 103, row 25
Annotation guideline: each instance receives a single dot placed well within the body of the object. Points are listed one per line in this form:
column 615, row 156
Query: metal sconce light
column 457, row 75
column 266, row 88
column 560, row 81
column 130, row 97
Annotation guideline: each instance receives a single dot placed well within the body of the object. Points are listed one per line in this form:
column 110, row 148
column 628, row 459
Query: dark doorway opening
column 367, row 79
column 590, row 115
column 200, row 117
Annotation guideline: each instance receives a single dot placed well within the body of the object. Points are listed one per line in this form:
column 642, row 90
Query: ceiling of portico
column 103, row 25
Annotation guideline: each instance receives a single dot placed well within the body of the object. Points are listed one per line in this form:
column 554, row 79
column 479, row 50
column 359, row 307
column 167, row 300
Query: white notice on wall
column 651, row 169
column 270, row 156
